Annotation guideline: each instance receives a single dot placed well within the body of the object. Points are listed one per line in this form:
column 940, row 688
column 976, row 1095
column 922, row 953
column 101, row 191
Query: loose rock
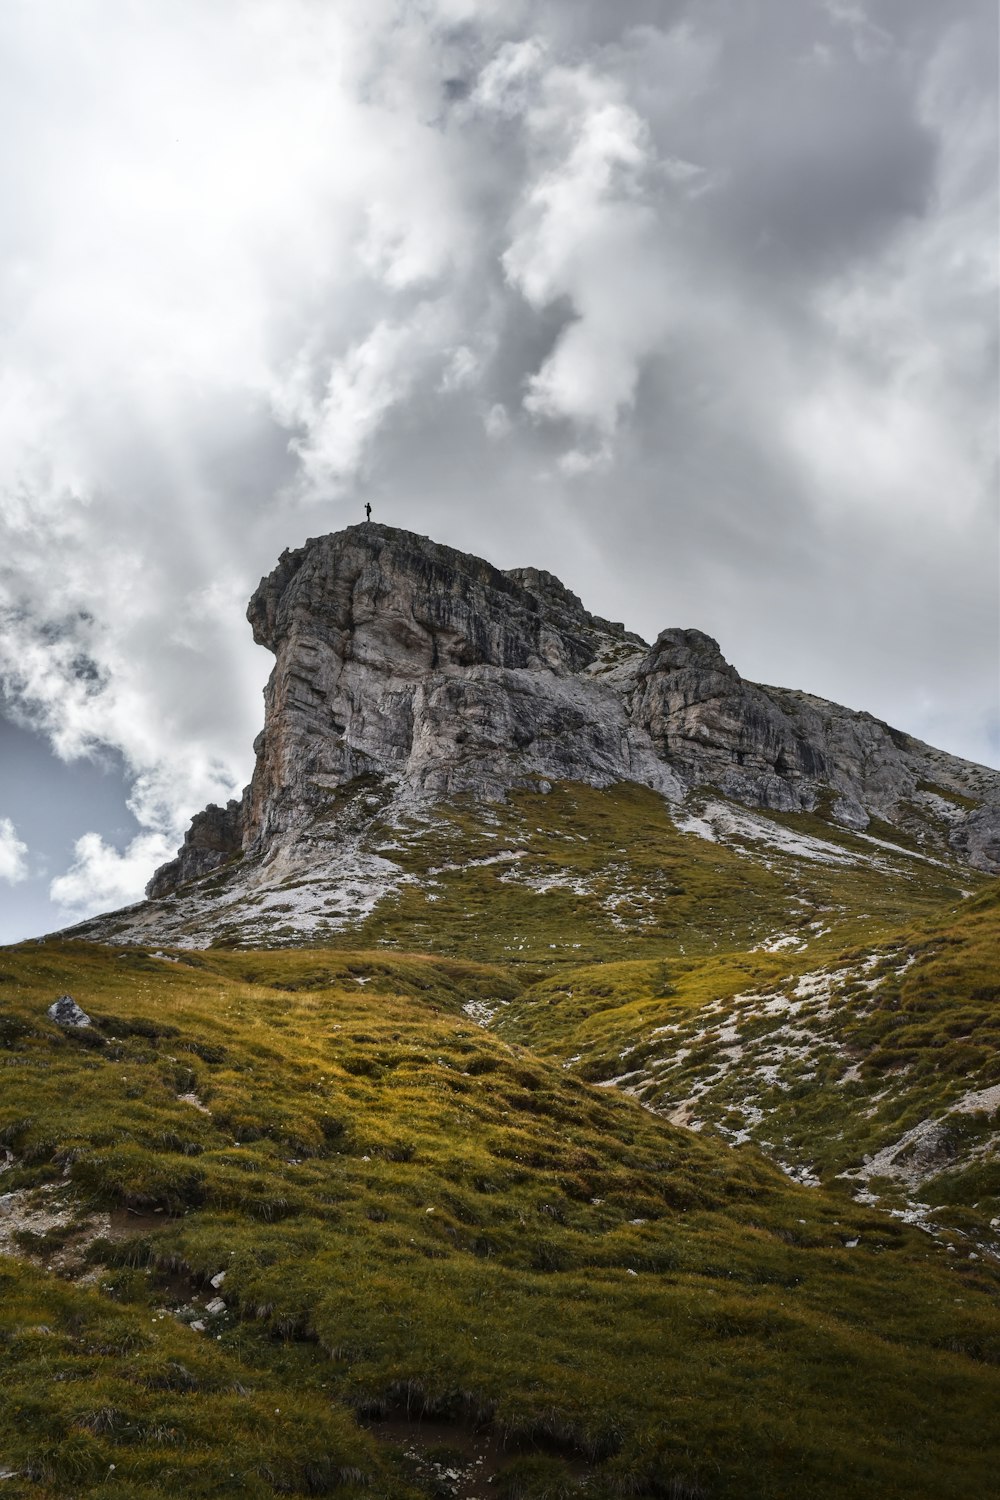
column 65, row 1012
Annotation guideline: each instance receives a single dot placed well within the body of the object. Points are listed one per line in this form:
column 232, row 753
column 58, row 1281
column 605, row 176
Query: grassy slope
column 578, row 875
column 413, row 1213
column 822, row 1090
column 638, row 945
column 605, row 875
column 822, row 1057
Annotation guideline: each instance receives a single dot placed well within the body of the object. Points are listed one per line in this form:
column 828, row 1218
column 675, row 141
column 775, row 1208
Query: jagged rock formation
column 214, row 838
column 401, row 658
column 775, row 748
column 67, row 1014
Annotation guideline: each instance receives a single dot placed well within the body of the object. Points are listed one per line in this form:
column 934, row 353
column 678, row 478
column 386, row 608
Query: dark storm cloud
column 694, row 304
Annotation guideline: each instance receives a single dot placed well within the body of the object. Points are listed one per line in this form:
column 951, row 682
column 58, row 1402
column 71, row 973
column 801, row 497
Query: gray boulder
column 66, row 1013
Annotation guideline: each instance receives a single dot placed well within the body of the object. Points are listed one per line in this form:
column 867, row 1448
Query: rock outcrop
column 214, row 838
column 428, row 669
column 716, row 729
column 400, row 657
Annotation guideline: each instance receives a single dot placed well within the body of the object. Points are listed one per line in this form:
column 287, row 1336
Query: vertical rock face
column 715, row 728
column 405, row 660
column 399, row 656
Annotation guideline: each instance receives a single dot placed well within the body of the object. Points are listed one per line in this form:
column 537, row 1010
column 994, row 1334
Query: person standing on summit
column 368, row 511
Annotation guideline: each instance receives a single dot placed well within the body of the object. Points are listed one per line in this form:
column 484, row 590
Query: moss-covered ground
column 586, row 875
column 397, row 1161
column 417, row 1217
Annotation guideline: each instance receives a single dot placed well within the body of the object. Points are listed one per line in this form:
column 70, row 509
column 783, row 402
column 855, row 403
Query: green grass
column 907, row 1029
column 417, row 1216
column 601, row 875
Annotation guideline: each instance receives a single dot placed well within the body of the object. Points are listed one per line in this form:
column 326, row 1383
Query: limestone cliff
column 399, row 656
column 401, row 659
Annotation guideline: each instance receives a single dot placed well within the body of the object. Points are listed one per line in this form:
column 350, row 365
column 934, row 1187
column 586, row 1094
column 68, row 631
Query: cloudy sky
column 694, row 304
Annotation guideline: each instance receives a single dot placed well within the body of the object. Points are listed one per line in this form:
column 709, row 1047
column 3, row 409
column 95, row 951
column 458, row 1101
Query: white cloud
column 586, row 229
column 462, row 370
column 100, row 878
column 507, row 84
column 587, row 461
column 497, row 421
column 869, row 41
column 13, row 854
column 899, row 416
column 363, row 385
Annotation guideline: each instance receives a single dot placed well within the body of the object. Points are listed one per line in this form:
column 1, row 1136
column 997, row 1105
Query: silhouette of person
column 368, row 511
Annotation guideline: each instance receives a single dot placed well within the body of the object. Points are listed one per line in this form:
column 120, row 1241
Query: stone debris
column 926, row 1148
column 194, row 1102
column 36, row 1210
column 40, row 1211
column 483, row 1011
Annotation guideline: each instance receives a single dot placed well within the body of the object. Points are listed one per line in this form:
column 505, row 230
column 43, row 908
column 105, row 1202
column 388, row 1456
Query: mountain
column 568, row 1071
column 417, row 675
column 464, row 761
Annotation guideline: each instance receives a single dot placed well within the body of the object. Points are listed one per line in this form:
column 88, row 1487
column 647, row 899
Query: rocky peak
column 397, row 655
column 436, row 674
column 399, row 600
column 678, row 651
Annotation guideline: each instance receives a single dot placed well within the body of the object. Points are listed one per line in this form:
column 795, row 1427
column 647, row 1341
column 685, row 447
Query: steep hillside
column 789, row 983
column 401, row 1215
column 616, row 868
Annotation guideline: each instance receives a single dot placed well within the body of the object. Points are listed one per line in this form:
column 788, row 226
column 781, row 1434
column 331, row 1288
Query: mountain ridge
column 398, row 656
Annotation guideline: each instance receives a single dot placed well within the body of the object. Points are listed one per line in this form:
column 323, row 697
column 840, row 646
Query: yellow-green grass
column 122, row 1400
column 905, row 1031
column 606, row 874
column 414, row 1215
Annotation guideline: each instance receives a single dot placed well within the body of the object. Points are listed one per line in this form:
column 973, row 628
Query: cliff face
column 400, row 658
